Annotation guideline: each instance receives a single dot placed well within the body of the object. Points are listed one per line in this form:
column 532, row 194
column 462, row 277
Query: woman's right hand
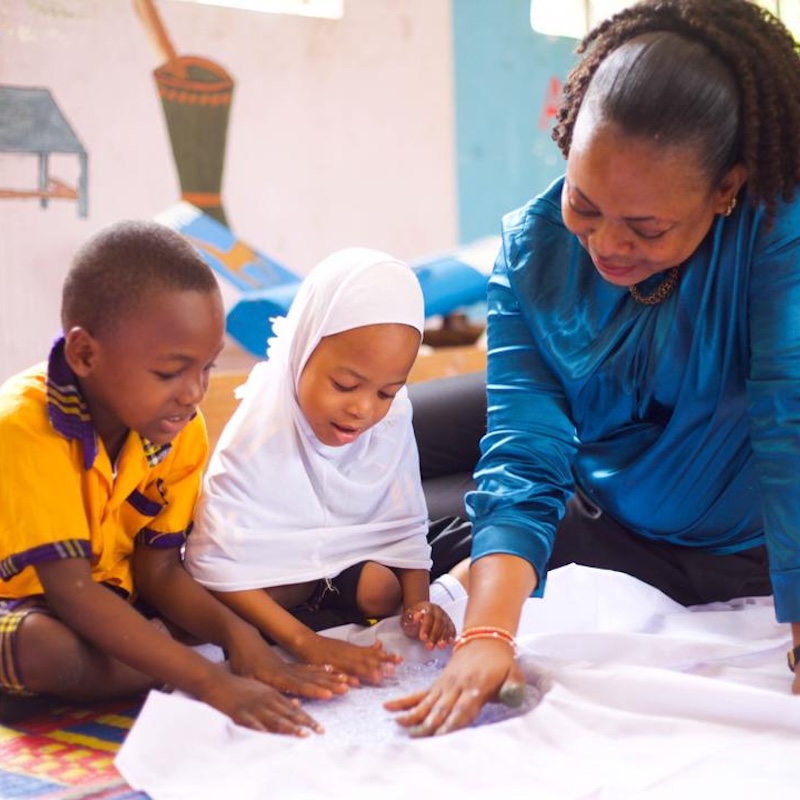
column 480, row 672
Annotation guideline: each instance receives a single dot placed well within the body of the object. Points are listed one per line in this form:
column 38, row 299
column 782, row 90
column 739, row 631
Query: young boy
column 101, row 452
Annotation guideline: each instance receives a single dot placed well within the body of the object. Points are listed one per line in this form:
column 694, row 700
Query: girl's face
column 638, row 208
column 351, row 378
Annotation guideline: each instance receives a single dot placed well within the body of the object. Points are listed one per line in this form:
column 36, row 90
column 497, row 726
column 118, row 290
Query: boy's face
column 351, row 378
column 150, row 371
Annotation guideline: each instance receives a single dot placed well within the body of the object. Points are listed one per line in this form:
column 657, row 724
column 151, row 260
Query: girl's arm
column 420, row 618
column 161, row 579
column 261, row 610
column 415, row 585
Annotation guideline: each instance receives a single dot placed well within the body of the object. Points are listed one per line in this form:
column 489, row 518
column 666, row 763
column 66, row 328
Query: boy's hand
column 429, row 623
column 371, row 664
column 256, row 659
column 254, row 705
column 105, row 623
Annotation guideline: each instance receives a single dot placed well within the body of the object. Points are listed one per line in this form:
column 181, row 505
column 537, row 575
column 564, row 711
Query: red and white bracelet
column 485, row 632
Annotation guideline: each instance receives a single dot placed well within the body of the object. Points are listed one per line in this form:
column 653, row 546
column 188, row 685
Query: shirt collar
column 69, row 414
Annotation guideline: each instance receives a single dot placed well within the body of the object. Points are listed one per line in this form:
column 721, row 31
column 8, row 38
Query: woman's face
column 638, row 208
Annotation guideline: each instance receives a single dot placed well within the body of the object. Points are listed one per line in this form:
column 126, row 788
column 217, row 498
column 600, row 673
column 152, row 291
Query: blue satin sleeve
column 523, row 476
column 681, row 420
column 773, row 391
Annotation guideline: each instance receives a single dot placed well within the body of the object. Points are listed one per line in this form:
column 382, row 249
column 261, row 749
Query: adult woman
column 644, row 350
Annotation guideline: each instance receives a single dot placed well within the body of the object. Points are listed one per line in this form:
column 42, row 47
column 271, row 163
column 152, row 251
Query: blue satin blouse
column 681, row 420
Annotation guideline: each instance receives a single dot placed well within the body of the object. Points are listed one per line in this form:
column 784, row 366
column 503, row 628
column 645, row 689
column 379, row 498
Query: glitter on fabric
column 360, row 718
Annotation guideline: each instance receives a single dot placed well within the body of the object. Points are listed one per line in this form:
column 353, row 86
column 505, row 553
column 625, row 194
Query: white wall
column 341, row 133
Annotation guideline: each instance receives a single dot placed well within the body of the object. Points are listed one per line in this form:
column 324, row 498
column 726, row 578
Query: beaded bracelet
column 485, row 632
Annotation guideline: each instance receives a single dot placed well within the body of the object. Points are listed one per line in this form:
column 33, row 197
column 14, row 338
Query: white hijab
column 280, row 507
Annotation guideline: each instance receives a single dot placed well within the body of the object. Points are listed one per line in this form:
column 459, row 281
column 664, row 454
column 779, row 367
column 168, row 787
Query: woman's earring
column 731, row 206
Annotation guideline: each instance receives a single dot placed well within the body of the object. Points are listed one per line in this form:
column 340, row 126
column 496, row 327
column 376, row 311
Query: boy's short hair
column 123, row 265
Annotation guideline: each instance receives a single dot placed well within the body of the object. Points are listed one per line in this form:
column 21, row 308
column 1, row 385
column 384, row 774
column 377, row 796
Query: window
column 330, row 9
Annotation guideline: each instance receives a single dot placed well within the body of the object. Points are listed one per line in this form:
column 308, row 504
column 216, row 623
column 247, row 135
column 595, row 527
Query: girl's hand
column 256, row 659
column 371, row 664
column 478, row 673
column 429, row 623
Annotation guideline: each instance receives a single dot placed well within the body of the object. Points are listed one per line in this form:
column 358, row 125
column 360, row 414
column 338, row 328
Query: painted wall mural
column 33, row 124
column 407, row 125
column 196, row 95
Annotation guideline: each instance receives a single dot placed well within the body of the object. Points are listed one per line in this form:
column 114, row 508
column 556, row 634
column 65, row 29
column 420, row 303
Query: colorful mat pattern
column 66, row 755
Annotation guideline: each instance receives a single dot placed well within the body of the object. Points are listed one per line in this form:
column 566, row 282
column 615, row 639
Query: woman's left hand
column 429, row 623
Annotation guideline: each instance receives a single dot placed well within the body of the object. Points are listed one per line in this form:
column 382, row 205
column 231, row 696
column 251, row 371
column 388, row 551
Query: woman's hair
column 720, row 75
column 124, row 265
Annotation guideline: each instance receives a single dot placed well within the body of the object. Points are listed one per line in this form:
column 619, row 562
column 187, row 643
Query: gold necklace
column 661, row 292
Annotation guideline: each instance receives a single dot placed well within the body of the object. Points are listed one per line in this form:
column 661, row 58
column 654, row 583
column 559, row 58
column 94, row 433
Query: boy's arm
column 108, row 623
column 420, row 618
column 162, row 580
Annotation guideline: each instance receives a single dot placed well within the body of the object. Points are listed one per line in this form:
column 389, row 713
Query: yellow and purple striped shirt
column 59, row 497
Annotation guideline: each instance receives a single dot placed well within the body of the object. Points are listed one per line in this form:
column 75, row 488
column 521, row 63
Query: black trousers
column 334, row 602
column 449, row 420
column 688, row 575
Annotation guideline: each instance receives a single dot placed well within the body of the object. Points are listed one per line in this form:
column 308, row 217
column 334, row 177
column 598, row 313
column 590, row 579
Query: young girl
column 313, row 498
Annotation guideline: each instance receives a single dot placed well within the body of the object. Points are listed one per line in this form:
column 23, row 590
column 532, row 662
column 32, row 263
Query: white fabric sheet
column 630, row 695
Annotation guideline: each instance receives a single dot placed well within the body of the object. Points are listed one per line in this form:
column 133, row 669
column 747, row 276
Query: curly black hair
column 116, row 272
column 720, row 74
